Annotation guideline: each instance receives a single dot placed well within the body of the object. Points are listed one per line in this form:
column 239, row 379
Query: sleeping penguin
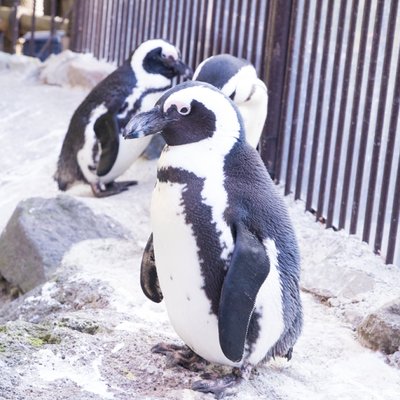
column 237, row 79
column 92, row 151
column 223, row 253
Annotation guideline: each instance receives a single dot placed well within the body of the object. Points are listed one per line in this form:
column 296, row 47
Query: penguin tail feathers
column 62, row 183
column 66, row 174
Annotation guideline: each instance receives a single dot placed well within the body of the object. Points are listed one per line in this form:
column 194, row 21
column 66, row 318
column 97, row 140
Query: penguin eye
column 163, row 55
column 184, row 110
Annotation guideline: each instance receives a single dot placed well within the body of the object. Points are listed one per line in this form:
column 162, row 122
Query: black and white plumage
column 92, row 150
column 223, row 254
column 237, row 79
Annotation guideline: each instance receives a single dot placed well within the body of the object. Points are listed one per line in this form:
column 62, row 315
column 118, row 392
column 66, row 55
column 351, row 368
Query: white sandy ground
column 328, row 361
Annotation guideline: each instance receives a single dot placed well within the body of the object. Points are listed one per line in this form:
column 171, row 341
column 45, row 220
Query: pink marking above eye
column 180, row 106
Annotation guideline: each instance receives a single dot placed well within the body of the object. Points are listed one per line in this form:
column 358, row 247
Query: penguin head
column 159, row 57
column 189, row 112
column 234, row 76
column 238, row 80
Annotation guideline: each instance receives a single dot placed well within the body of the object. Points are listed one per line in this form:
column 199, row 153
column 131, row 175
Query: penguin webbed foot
column 181, row 356
column 110, row 189
column 222, row 386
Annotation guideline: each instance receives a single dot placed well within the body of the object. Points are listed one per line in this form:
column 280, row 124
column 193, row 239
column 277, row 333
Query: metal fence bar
column 320, row 100
column 343, row 105
column 388, row 165
column 366, row 118
column 309, row 94
column 332, row 100
column 284, row 100
column 275, row 61
column 379, row 124
column 298, row 84
column 354, row 115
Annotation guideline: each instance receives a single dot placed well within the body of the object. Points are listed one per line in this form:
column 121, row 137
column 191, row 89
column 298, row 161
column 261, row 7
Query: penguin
column 237, row 78
column 223, row 253
column 92, row 151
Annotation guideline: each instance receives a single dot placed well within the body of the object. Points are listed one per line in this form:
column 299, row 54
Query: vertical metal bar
column 197, row 29
column 86, row 25
column 33, row 23
column 277, row 41
column 310, row 88
column 246, row 29
column 173, row 22
column 394, row 223
column 388, row 162
column 343, row 106
column 354, row 114
column 320, row 101
column 14, row 25
column 98, row 43
column 288, row 180
column 52, row 25
column 260, row 36
column 366, row 118
column 379, row 123
column 124, row 32
column 238, row 30
column 280, row 122
column 202, row 32
column 332, row 101
column 105, row 31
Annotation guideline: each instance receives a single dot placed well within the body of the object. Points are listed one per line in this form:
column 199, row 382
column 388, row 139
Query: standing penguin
column 92, row 151
column 237, row 79
column 223, row 253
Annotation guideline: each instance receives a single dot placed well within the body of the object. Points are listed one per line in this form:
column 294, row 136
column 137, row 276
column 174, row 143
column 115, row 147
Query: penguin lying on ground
column 237, row 79
column 223, row 254
column 92, row 150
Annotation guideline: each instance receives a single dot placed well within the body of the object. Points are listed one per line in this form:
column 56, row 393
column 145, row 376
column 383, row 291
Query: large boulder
column 41, row 230
column 380, row 330
column 74, row 69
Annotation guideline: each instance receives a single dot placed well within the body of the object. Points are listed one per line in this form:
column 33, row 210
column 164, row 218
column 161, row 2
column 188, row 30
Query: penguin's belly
column 128, row 152
column 179, row 273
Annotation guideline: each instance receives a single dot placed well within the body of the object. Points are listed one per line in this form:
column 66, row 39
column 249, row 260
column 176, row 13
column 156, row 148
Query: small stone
column 380, row 330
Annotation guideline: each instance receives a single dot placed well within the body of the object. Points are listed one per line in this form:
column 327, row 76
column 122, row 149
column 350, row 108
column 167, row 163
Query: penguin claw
column 220, row 388
column 181, row 356
column 111, row 188
column 124, row 184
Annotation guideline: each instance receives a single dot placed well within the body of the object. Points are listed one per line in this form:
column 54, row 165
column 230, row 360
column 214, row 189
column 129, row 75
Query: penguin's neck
column 203, row 158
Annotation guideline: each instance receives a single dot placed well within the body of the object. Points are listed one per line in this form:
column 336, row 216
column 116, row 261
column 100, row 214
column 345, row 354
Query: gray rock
column 381, row 329
column 41, row 230
column 325, row 281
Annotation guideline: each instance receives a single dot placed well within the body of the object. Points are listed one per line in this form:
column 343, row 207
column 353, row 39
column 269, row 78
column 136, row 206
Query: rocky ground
column 85, row 332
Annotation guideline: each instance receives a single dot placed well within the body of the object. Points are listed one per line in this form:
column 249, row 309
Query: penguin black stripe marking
column 206, row 234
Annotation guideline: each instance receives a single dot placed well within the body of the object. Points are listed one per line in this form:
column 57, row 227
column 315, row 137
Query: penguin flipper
column 247, row 272
column 107, row 132
column 148, row 274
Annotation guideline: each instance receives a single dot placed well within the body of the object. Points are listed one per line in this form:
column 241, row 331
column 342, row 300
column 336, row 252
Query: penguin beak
column 145, row 124
column 180, row 67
